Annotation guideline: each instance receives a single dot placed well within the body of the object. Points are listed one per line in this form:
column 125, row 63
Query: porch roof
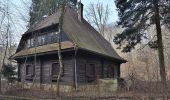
column 43, row 49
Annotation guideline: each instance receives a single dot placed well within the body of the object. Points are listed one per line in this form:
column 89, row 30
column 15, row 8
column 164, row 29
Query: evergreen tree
column 9, row 72
column 41, row 8
column 136, row 16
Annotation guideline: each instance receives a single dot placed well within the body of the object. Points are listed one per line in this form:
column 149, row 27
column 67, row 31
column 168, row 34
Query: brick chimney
column 80, row 11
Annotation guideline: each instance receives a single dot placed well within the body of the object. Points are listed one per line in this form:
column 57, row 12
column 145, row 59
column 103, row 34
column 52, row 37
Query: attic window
column 54, row 37
column 41, row 40
column 30, row 42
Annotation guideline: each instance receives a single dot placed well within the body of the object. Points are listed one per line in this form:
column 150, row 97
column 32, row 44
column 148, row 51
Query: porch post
column 75, row 68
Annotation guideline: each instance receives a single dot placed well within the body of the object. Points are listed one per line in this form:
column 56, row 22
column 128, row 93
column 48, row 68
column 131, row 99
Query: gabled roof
column 81, row 33
column 46, row 22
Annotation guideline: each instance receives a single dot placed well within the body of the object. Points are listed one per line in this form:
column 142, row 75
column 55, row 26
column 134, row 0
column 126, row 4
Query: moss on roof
column 85, row 36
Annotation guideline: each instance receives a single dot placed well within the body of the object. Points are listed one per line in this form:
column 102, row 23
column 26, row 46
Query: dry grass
column 140, row 90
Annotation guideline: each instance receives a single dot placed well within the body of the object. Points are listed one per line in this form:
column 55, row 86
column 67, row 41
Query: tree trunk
column 160, row 46
column 59, row 43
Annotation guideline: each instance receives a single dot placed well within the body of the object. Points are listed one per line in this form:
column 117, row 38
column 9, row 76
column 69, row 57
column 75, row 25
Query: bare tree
column 7, row 35
column 98, row 15
column 63, row 8
column 4, row 38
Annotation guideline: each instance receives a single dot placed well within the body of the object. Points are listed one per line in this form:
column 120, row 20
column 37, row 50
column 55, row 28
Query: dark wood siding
column 81, row 70
column 68, row 75
column 46, row 72
column 84, row 68
column 104, row 68
column 44, row 66
column 30, row 61
column 37, row 71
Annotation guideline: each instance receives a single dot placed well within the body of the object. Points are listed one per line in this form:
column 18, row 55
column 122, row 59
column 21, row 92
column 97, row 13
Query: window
column 41, row 40
column 48, row 38
column 30, row 42
column 108, row 71
column 54, row 37
column 29, row 71
column 91, row 72
column 55, row 71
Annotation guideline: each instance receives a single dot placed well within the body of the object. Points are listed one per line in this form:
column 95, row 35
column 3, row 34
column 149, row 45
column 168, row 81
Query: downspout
column 18, row 73
column 75, row 67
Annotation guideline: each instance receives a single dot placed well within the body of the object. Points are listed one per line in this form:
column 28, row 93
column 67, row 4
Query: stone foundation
column 104, row 85
column 107, row 85
column 46, row 87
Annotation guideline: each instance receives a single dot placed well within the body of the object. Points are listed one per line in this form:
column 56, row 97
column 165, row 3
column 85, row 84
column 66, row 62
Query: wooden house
column 86, row 54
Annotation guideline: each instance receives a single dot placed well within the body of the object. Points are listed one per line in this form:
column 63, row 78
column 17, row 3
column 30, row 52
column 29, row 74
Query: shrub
column 9, row 73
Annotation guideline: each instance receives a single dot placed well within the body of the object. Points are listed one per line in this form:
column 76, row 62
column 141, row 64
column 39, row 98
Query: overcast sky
column 111, row 4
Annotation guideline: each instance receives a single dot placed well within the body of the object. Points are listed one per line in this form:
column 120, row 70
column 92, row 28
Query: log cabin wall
column 104, row 68
column 36, row 69
column 68, row 75
column 83, row 69
column 111, row 69
column 43, row 69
